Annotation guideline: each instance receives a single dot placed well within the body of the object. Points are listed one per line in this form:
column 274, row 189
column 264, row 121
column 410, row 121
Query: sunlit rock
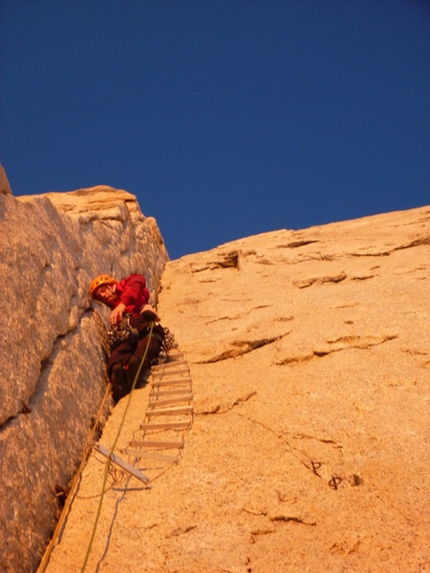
column 52, row 364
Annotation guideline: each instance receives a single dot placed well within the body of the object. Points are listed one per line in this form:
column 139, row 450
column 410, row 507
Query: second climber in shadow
column 134, row 334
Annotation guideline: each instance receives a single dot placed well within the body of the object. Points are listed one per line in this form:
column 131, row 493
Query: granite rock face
column 52, row 364
column 309, row 447
column 4, row 182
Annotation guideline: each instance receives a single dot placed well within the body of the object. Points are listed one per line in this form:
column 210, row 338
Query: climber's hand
column 116, row 314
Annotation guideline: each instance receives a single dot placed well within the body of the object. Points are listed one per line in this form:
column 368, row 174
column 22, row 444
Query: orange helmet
column 99, row 281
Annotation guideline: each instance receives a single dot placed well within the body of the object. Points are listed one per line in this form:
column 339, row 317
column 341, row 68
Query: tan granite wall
column 52, row 365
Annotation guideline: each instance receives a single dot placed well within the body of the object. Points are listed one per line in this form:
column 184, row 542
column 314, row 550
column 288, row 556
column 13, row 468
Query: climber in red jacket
column 129, row 296
column 131, row 319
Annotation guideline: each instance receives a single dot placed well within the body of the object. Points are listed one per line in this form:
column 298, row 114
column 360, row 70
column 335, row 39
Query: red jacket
column 133, row 293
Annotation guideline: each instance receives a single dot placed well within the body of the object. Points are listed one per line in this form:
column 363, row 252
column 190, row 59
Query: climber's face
column 106, row 294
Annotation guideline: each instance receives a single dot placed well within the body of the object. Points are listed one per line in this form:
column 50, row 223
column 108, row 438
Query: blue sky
column 226, row 118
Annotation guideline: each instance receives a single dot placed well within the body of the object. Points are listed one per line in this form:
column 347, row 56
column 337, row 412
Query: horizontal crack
column 213, row 410
column 296, row 244
column 181, row 531
column 293, row 360
column 363, row 277
column 239, row 316
column 244, row 399
column 242, row 347
column 291, row 518
column 223, row 409
column 323, row 440
column 342, row 343
column 224, row 261
column 360, row 343
column 411, row 245
column 320, row 280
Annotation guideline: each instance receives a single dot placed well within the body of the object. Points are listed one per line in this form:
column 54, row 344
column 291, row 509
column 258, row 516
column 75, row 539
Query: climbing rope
column 74, row 485
column 111, row 452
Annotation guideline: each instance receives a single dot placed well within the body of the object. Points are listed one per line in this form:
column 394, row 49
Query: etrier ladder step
column 157, row 403
column 123, row 464
column 170, row 382
column 170, row 411
column 156, row 444
column 168, row 364
column 175, row 391
column 171, row 373
column 166, row 426
column 151, row 455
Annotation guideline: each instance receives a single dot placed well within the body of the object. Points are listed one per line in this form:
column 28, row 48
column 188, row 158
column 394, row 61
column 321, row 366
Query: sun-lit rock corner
column 52, row 366
column 309, row 446
column 4, row 182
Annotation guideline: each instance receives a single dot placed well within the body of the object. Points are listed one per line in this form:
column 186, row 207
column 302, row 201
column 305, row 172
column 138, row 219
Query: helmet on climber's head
column 100, row 281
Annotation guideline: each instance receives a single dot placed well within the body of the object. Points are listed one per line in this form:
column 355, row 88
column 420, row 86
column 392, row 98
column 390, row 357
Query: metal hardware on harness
column 120, row 332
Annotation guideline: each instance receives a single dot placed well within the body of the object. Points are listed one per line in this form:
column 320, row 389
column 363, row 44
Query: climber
column 130, row 319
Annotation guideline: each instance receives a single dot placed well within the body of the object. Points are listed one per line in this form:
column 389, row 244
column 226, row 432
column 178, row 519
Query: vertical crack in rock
column 46, row 364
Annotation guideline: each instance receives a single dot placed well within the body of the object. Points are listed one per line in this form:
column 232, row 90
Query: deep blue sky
column 226, row 118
